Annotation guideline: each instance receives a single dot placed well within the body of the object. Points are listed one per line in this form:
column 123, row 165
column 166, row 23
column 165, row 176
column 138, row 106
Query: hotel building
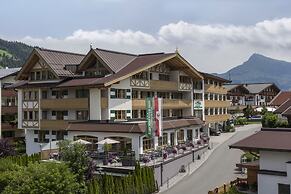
column 215, row 101
column 8, row 109
column 102, row 94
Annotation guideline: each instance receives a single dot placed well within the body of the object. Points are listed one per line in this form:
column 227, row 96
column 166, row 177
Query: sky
column 213, row 35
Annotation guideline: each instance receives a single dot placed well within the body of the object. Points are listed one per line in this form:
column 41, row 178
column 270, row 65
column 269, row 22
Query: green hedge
column 142, row 181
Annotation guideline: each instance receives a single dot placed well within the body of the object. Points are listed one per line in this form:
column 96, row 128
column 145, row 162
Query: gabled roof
column 268, row 139
column 125, row 65
column 282, row 97
column 214, row 77
column 7, row 72
column 287, row 112
column 231, row 86
column 283, row 107
column 255, row 88
column 56, row 61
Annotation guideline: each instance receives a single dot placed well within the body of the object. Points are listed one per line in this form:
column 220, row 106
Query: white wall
column 268, row 184
column 19, row 108
column 274, row 160
column 95, row 104
column 120, row 104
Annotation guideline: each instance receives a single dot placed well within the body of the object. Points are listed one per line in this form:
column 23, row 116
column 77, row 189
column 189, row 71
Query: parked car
column 214, row 132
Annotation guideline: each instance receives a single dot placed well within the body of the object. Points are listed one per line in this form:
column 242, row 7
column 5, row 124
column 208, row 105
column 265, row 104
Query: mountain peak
column 259, row 68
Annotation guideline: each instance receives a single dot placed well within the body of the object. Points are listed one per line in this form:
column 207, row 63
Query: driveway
column 218, row 169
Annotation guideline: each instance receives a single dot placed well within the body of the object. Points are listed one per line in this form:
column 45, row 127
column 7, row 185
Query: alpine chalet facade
column 102, row 94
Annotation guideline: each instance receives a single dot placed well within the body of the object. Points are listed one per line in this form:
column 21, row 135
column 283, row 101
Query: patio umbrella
column 107, row 141
column 81, row 141
column 50, row 146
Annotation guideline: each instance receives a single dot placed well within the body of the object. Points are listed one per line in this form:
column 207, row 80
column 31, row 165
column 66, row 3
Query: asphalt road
column 218, row 169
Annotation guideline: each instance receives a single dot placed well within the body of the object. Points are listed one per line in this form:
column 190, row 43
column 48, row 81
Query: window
column 59, row 134
column 206, row 111
column 147, row 143
column 142, row 75
column 134, row 94
column 44, row 115
column 143, row 113
column 197, row 85
column 37, row 75
column 82, row 115
column 211, row 111
column 82, row 93
column 164, row 77
column 164, row 95
column 32, row 76
column 135, row 114
column 185, row 79
column 177, row 95
column 120, row 93
column 166, row 112
column 41, row 136
column 283, row 188
column 197, row 96
column 120, row 114
column 44, row 75
column 44, row 94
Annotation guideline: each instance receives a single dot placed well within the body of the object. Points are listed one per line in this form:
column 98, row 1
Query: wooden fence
column 225, row 187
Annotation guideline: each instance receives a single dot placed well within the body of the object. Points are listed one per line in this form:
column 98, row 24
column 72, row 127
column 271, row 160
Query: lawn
column 5, row 52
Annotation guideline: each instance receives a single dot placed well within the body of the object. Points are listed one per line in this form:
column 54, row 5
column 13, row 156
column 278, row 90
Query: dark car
column 214, row 132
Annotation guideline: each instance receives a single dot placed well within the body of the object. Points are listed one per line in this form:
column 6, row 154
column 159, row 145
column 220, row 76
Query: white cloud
column 212, row 48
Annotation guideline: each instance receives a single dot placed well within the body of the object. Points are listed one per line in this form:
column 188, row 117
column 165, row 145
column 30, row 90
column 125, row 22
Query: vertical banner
column 149, row 117
column 158, row 116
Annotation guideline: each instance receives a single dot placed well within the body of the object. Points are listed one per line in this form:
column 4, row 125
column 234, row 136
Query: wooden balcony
column 8, row 110
column 217, row 103
column 210, row 88
column 216, row 118
column 167, row 104
column 64, row 104
column 160, row 85
column 54, row 124
column 8, row 127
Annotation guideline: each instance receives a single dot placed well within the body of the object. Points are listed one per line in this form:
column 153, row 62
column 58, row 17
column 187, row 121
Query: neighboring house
column 102, row 94
column 280, row 98
column 253, row 94
column 8, row 108
column 236, row 94
column 282, row 103
column 216, row 103
column 274, row 167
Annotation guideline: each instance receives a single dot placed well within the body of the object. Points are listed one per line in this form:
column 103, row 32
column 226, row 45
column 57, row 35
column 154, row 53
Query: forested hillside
column 13, row 54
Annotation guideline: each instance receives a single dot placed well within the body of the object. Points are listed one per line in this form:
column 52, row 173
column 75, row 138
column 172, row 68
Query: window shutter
column 112, row 114
column 128, row 115
column 128, row 93
column 112, row 93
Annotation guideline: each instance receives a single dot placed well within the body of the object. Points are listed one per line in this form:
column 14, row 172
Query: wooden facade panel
column 64, row 104
column 216, row 103
column 210, row 88
column 53, row 124
column 104, row 102
column 167, row 104
column 8, row 127
column 216, row 118
column 9, row 110
column 163, row 85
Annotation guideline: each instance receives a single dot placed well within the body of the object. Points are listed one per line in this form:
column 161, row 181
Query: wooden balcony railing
column 64, row 104
column 217, row 103
column 167, row 104
column 163, row 85
column 210, row 88
column 216, row 118
column 54, row 124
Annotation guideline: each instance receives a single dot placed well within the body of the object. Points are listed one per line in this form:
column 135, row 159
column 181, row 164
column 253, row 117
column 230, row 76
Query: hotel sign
column 198, row 105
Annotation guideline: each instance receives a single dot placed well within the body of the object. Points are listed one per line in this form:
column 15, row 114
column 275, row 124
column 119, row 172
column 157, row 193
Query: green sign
column 198, row 105
column 149, row 117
